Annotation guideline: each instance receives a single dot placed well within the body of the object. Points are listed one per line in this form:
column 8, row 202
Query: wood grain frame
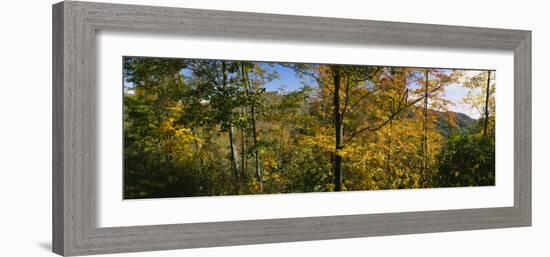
column 74, row 128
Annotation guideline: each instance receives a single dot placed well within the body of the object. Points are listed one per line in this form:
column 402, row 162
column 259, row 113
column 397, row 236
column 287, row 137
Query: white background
column 112, row 46
column 25, row 128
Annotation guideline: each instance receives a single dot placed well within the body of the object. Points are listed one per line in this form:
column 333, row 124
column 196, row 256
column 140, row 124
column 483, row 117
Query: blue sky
column 288, row 81
column 455, row 92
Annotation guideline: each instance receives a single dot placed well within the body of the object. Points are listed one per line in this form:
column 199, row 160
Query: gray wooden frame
column 74, row 129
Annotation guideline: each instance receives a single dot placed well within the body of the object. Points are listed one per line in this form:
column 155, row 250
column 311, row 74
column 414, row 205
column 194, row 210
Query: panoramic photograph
column 206, row 127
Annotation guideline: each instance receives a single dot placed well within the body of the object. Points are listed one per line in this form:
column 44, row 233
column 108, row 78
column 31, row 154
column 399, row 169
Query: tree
column 340, row 81
column 210, row 127
column 481, row 90
column 487, row 95
column 253, row 102
column 467, row 160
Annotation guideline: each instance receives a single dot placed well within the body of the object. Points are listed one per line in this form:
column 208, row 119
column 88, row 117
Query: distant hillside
column 460, row 123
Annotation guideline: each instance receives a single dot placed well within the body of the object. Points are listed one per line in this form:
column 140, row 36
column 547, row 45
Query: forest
column 199, row 127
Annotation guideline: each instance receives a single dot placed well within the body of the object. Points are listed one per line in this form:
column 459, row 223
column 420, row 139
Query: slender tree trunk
column 390, row 146
column 232, row 142
column 256, row 150
column 161, row 116
column 487, row 92
column 325, row 111
column 244, row 162
column 258, row 167
column 234, row 153
column 197, row 149
column 282, row 149
column 425, row 127
column 338, row 129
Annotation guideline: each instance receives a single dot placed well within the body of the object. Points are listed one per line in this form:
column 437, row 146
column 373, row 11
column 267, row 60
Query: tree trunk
column 244, row 162
column 390, row 146
column 256, row 151
column 338, row 129
column 232, row 143
column 234, row 153
column 425, row 127
column 487, row 92
column 282, row 160
column 258, row 167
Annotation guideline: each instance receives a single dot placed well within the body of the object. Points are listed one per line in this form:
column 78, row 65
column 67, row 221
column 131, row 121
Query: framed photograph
column 183, row 128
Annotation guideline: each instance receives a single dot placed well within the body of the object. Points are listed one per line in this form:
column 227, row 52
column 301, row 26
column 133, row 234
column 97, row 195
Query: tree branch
column 392, row 115
column 368, row 77
column 361, row 99
column 345, row 103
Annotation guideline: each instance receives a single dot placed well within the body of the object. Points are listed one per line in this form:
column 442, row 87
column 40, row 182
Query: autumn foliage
column 211, row 127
